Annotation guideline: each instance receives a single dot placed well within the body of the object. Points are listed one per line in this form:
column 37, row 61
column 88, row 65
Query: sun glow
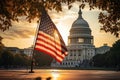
column 55, row 74
column 23, row 34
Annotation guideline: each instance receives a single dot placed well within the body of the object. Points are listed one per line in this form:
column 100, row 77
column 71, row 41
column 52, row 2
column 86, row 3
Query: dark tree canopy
column 11, row 10
column 10, row 60
column 6, row 59
column 110, row 58
column 1, row 44
column 41, row 59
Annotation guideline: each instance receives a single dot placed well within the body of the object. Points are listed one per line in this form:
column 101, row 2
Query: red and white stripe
column 51, row 46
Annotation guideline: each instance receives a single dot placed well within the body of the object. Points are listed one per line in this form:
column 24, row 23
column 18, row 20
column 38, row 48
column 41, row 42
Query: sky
column 22, row 34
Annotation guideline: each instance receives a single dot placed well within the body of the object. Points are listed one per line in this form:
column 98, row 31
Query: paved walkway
column 59, row 75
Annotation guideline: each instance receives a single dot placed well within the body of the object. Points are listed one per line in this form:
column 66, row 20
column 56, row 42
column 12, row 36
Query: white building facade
column 80, row 45
column 103, row 49
column 28, row 51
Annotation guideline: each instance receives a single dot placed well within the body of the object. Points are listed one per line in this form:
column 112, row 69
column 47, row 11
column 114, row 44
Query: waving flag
column 49, row 40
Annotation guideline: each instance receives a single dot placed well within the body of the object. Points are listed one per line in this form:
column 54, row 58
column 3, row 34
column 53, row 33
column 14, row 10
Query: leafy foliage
column 8, row 59
column 21, row 60
column 99, row 60
column 1, row 45
column 110, row 58
column 115, row 51
column 11, row 10
column 42, row 59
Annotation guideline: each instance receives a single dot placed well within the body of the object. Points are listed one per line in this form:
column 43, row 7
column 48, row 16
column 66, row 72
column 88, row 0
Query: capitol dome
column 80, row 22
column 80, row 44
column 80, row 32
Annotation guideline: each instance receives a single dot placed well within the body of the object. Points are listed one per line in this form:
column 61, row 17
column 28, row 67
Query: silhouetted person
column 49, row 78
column 38, row 78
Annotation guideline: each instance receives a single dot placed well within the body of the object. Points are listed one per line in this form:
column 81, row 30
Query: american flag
column 49, row 40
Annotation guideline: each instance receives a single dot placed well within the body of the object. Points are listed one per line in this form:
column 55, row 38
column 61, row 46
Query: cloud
column 23, row 29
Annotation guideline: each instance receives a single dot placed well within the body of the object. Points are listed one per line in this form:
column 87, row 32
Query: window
column 80, row 40
column 70, row 54
column 91, row 41
column 74, row 54
column 79, row 54
column 69, row 41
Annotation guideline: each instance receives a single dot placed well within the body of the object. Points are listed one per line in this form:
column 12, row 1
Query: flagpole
column 31, row 69
column 32, row 56
column 35, row 39
column 47, row 26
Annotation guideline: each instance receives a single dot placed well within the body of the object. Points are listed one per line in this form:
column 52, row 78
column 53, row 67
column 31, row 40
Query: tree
column 7, row 59
column 110, row 58
column 99, row 60
column 42, row 59
column 21, row 60
column 115, row 51
column 11, row 10
column 1, row 45
column 1, row 49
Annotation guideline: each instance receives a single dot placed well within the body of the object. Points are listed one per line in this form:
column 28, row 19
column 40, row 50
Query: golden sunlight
column 55, row 74
column 56, row 34
column 22, row 34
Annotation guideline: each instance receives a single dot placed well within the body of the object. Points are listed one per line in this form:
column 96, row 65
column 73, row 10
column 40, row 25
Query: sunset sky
column 22, row 34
